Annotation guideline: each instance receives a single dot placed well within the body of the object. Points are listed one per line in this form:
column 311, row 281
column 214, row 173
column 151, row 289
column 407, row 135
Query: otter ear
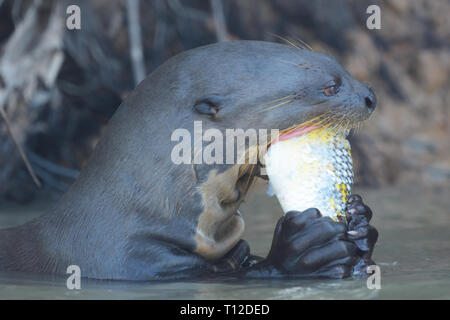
column 209, row 105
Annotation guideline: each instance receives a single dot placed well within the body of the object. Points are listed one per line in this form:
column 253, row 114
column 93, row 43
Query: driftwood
column 134, row 32
column 29, row 64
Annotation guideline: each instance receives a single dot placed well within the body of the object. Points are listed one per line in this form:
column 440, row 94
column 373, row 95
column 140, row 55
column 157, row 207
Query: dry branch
column 134, row 31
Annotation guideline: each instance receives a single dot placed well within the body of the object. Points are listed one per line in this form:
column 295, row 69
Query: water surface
column 413, row 253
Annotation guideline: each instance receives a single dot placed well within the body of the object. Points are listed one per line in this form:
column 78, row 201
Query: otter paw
column 361, row 233
column 307, row 244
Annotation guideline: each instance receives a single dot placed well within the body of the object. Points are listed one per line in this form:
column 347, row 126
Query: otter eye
column 331, row 90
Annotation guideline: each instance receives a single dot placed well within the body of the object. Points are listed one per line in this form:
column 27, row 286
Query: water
column 413, row 253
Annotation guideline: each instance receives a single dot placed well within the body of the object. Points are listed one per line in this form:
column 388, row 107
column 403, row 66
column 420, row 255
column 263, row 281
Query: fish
column 311, row 168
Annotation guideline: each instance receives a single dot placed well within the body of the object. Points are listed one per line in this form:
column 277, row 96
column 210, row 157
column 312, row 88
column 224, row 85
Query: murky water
column 413, row 253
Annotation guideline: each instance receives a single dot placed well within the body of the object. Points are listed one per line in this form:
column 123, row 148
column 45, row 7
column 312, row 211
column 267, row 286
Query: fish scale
column 314, row 170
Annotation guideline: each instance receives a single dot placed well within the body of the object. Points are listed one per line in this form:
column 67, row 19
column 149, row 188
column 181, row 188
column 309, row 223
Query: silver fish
column 313, row 170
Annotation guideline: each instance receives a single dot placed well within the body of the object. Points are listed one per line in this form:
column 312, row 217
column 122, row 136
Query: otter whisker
column 327, row 122
column 338, row 123
column 345, row 125
column 323, row 120
column 287, row 41
column 276, row 106
column 307, row 46
column 360, row 125
column 334, row 122
column 280, row 99
column 314, row 121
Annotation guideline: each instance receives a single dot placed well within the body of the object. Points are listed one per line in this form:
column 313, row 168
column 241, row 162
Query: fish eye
column 331, row 89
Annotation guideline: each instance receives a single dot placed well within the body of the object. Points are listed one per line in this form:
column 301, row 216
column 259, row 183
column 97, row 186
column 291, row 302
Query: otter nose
column 370, row 99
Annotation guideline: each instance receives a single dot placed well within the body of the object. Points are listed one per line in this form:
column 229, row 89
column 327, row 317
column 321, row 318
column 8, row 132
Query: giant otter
column 134, row 214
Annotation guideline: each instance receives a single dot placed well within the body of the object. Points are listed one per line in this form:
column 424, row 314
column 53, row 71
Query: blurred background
column 59, row 87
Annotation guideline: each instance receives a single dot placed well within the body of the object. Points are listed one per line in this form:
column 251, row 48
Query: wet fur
column 132, row 213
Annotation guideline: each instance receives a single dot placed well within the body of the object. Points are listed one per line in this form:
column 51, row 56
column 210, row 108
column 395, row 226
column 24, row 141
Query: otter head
column 246, row 85
column 249, row 84
column 252, row 85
